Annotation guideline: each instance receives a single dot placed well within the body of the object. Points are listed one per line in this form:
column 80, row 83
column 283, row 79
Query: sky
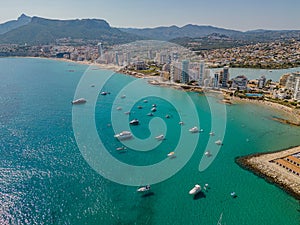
column 232, row 14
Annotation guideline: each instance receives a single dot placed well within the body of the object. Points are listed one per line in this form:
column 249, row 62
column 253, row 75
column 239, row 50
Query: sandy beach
column 291, row 115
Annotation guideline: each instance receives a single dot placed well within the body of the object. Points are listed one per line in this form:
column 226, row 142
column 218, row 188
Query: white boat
column 167, row 116
column 150, row 114
column 153, row 109
column 124, row 135
column 218, row 142
column 134, row 122
column 160, row 137
column 144, row 188
column 123, row 96
column 121, row 148
column 233, row 194
column 181, row 123
column 79, row 101
column 196, row 189
column 208, row 154
column 212, row 133
column 145, row 101
column 119, row 108
column 127, row 113
column 103, row 93
column 171, row 155
column 194, row 130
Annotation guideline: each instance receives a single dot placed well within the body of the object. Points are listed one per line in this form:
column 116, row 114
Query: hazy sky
column 233, row 14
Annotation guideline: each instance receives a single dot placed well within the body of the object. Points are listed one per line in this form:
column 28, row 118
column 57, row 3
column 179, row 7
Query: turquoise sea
column 45, row 179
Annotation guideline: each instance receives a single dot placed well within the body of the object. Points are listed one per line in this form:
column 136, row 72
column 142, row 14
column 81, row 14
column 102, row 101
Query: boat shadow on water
column 199, row 195
column 148, row 194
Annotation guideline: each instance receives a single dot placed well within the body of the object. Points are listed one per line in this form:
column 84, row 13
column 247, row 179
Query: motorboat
column 205, row 187
column 145, row 101
column 124, row 135
column 218, row 142
column 167, row 116
column 144, row 188
column 208, row 154
column 181, row 123
column 196, row 189
column 160, row 137
column 140, row 107
column 134, row 122
column 119, row 108
column 194, row 130
column 127, row 113
column 171, row 155
column 211, row 133
column 92, row 85
column 79, row 101
column 123, row 96
column 121, row 148
column 103, row 93
column 153, row 109
column 233, row 194
column 150, row 114
column 154, row 105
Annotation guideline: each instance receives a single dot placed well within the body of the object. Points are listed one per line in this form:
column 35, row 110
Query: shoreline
column 260, row 165
column 292, row 115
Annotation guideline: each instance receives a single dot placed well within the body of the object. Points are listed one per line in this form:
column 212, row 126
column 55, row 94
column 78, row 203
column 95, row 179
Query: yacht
column 79, row 101
column 233, row 194
column 134, row 122
column 196, row 189
column 121, row 148
column 124, row 135
column 218, row 142
column 194, row 130
column 171, row 155
column 160, row 137
column 144, row 188
column 207, row 154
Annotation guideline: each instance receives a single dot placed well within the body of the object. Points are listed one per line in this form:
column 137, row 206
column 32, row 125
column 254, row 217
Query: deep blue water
column 45, row 179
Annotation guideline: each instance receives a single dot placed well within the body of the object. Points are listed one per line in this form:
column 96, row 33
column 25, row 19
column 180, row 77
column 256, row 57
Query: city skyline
column 231, row 14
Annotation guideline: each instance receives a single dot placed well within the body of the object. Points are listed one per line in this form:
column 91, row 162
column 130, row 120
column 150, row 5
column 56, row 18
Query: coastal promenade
column 264, row 165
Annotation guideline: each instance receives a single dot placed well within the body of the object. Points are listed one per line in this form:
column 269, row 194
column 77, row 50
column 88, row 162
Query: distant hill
column 196, row 31
column 10, row 25
column 37, row 31
column 46, row 31
column 211, row 41
column 172, row 32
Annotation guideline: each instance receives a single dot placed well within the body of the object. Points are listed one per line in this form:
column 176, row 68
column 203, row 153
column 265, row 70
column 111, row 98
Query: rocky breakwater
column 263, row 165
